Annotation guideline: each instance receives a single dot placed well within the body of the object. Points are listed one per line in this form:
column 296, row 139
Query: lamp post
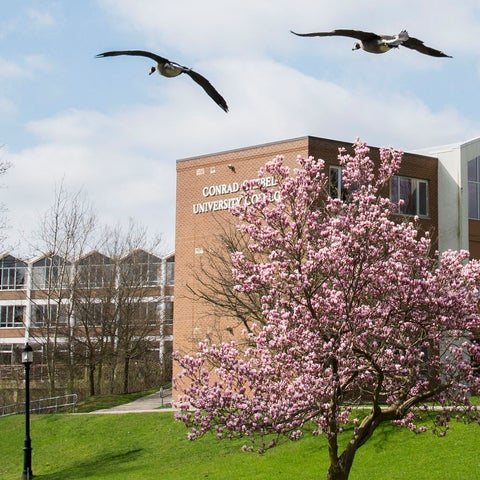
column 27, row 359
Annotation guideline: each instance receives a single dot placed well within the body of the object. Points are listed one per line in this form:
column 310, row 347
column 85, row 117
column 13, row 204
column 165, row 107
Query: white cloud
column 125, row 161
column 25, row 67
column 9, row 69
column 90, row 152
column 277, row 86
column 7, row 107
column 10, row 73
column 37, row 63
column 256, row 26
column 40, row 18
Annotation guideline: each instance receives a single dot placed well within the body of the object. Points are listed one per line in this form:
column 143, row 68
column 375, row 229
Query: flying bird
column 170, row 69
column 375, row 43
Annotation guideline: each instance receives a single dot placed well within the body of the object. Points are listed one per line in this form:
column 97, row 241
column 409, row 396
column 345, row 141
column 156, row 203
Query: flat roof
column 305, row 137
column 239, row 149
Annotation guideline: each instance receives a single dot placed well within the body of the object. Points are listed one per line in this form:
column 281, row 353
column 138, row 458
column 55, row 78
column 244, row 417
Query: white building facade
column 458, row 195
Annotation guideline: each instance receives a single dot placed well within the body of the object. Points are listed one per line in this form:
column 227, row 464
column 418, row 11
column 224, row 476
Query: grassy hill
column 154, row 445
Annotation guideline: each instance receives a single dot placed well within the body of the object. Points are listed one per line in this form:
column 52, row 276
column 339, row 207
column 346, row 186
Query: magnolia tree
column 358, row 309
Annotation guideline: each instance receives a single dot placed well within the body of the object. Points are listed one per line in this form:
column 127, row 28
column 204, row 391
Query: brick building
column 49, row 296
column 208, row 185
column 439, row 184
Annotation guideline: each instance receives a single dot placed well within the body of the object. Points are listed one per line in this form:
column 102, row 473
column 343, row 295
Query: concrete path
column 160, row 401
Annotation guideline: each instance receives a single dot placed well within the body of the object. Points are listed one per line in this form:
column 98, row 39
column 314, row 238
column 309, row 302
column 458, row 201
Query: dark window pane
column 472, row 170
column 473, row 200
column 422, row 198
column 334, row 182
column 394, row 193
column 407, row 194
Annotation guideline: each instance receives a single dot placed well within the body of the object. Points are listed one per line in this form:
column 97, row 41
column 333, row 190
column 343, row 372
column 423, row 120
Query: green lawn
column 153, row 445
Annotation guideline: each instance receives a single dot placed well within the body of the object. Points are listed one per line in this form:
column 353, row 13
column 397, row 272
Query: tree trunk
column 113, row 375
column 341, row 469
column 99, row 380
column 126, row 368
column 340, row 465
column 71, row 365
column 91, row 378
column 50, row 356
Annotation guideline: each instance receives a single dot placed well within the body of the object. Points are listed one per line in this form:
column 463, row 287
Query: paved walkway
column 160, row 401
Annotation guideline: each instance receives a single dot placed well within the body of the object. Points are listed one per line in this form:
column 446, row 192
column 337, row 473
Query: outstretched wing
column 209, row 88
column 202, row 81
column 136, row 53
column 358, row 34
column 419, row 46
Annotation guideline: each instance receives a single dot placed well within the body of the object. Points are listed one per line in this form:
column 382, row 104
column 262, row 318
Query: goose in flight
column 170, row 69
column 374, row 43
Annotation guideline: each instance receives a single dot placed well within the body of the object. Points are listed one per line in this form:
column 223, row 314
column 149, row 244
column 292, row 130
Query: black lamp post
column 27, row 359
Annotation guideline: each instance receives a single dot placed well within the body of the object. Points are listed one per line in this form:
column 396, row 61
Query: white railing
column 43, row 405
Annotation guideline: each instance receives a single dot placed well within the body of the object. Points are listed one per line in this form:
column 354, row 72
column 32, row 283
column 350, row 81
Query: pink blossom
column 359, row 309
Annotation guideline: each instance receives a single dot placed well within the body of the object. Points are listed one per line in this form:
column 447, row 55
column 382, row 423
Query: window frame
column 416, row 185
column 10, row 314
column 340, row 194
column 474, row 182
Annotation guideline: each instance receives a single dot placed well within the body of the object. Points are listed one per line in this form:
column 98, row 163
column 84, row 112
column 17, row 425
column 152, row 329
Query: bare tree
column 136, row 298
column 64, row 234
column 95, row 313
column 213, row 284
column 4, row 166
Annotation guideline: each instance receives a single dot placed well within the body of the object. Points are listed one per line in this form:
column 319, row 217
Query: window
column 412, row 192
column 170, row 271
column 147, row 313
column 474, row 188
column 168, row 315
column 168, row 318
column 140, row 269
column 50, row 272
column 337, row 189
column 95, row 270
column 94, row 313
column 11, row 316
column 44, row 315
column 95, row 276
column 6, row 355
column 12, row 273
column 11, row 354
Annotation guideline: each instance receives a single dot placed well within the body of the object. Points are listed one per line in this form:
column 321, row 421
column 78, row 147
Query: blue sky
column 105, row 126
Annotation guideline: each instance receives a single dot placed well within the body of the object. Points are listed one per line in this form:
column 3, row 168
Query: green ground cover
column 154, row 445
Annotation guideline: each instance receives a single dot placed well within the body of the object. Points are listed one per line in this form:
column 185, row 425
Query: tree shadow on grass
column 385, row 436
column 96, row 466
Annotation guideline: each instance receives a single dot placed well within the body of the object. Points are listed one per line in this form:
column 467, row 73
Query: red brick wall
column 474, row 238
column 197, row 178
